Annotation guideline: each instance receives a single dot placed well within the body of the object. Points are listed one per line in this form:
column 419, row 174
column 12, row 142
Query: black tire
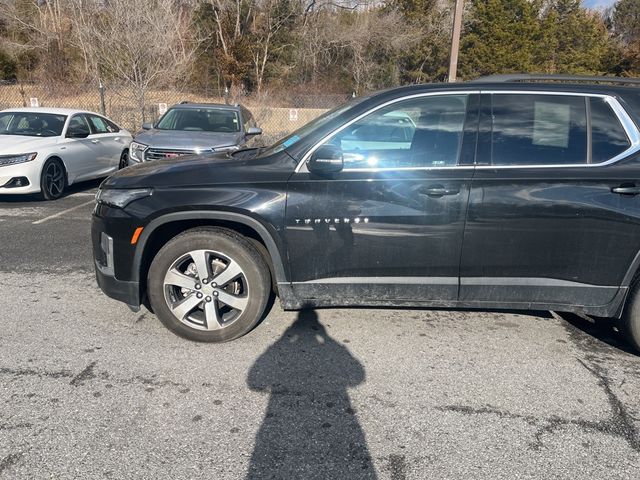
column 255, row 278
column 53, row 180
column 630, row 321
column 124, row 160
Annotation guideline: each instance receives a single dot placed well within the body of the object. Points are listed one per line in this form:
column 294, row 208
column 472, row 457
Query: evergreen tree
column 529, row 36
column 501, row 37
column 428, row 59
column 8, row 67
column 574, row 40
column 625, row 22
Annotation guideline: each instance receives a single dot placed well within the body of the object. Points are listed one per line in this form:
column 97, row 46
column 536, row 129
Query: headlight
column 136, row 151
column 228, row 148
column 13, row 159
column 120, row 198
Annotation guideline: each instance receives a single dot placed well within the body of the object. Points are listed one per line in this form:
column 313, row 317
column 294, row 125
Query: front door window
column 422, row 132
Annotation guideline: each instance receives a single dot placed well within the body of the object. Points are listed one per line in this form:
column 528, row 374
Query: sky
column 598, row 3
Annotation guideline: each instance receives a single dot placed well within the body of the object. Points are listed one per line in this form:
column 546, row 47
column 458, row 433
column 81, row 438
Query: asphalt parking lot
column 89, row 389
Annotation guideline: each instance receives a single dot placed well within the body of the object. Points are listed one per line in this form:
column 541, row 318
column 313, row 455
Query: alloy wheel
column 206, row 290
column 54, row 179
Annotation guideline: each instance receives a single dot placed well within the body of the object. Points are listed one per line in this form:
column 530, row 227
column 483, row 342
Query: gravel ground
column 91, row 390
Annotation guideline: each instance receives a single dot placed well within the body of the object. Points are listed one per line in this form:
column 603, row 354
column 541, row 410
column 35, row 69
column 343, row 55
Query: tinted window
column 98, row 124
column 412, row 133
column 78, row 123
column 113, row 128
column 200, row 120
column 633, row 101
column 538, row 129
column 608, row 137
column 32, row 124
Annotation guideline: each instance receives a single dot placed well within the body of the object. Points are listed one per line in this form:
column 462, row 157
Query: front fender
column 269, row 238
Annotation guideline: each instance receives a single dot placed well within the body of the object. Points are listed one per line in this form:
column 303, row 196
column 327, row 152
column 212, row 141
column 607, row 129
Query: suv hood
column 10, row 144
column 187, row 140
column 204, row 170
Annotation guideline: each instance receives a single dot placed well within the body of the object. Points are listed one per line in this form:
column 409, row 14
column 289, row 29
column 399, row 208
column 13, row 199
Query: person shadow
column 310, row 429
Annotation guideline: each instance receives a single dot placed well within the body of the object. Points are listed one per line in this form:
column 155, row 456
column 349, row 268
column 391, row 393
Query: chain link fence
column 277, row 115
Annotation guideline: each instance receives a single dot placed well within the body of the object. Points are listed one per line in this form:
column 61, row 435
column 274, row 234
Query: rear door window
column 98, row 124
column 78, row 122
column 608, row 136
column 538, row 129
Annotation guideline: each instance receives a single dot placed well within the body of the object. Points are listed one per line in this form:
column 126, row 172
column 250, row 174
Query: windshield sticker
column 290, row 141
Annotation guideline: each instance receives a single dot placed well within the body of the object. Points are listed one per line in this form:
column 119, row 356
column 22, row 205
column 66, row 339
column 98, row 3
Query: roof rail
column 523, row 77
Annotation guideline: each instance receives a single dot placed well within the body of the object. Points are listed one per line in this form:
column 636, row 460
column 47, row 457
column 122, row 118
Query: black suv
column 514, row 192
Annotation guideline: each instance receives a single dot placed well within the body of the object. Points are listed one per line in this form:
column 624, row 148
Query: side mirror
column 251, row 131
column 78, row 132
column 326, row 159
column 147, row 126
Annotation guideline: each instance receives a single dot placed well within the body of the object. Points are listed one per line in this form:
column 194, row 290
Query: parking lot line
column 63, row 212
column 83, row 194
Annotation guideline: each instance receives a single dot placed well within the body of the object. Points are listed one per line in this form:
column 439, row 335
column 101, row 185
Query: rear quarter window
column 633, row 101
column 608, row 135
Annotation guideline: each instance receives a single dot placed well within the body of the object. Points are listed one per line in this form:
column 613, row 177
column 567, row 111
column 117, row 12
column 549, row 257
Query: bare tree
column 149, row 45
column 366, row 46
column 41, row 26
column 232, row 21
column 266, row 27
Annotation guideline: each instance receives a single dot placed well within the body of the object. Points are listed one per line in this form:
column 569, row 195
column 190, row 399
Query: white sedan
column 46, row 149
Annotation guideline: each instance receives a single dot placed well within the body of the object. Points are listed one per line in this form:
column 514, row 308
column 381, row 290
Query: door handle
column 439, row 191
column 626, row 190
column 95, row 140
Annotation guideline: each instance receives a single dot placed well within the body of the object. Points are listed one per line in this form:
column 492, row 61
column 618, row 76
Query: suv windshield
column 31, row 124
column 200, row 120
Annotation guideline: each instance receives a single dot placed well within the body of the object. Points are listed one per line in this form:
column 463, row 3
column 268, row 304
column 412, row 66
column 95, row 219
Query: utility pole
column 455, row 40
column 103, row 109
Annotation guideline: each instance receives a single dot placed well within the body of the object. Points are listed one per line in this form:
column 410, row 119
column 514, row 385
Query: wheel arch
column 55, row 156
column 633, row 272
column 631, row 278
column 162, row 229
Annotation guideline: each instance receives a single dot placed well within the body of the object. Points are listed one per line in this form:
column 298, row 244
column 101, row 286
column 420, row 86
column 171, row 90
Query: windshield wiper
column 248, row 149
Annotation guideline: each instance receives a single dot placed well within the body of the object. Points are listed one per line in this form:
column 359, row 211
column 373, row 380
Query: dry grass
column 122, row 107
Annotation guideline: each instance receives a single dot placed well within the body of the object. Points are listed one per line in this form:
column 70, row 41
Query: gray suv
column 193, row 128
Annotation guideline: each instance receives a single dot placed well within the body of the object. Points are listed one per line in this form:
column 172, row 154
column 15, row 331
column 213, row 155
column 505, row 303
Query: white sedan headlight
column 121, row 197
column 6, row 160
column 136, row 151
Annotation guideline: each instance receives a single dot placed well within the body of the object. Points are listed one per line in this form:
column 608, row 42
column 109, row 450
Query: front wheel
column 209, row 284
column 53, row 180
column 124, row 160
